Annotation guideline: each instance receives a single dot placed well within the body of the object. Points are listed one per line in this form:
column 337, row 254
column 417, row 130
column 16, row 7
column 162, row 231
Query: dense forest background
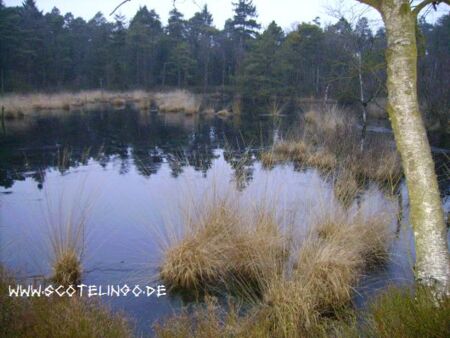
column 54, row 52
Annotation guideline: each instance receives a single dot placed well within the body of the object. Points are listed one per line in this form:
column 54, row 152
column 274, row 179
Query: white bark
column 426, row 214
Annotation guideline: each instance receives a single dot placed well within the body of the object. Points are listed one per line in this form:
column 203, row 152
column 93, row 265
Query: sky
column 286, row 13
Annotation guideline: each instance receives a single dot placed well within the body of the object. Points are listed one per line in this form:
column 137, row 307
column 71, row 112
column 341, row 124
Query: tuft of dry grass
column 224, row 113
column 226, row 242
column 66, row 234
column 380, row 162
column 268, row 159
column 329, row 119
column 67, row 240
column 328, row 265
column 67, row 268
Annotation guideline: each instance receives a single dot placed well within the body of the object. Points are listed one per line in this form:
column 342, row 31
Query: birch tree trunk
column 426, row 214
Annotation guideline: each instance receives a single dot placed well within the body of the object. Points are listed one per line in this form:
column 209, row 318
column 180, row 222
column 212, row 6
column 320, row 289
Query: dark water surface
column 132, row 173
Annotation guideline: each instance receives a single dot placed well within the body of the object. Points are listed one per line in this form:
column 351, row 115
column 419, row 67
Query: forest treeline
column 52, row 52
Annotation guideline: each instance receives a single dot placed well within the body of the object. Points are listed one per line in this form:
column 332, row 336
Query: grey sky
column 284, row 12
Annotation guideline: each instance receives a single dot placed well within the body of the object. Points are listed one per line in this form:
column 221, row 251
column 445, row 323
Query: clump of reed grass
column 379, row 163
column 67, row 243
column 299, row 293
column 329, row 120
column 298, row 151
column 178, row 101
column 328, row 265
column 66, row 231
column 56, row 316
column 67, row 268
column 199, row 258
column 268, row 159
column 226, row 242
column 224, row 113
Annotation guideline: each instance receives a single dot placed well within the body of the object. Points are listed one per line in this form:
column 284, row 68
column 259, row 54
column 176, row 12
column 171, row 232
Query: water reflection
column 146, row 140
column 140, row 163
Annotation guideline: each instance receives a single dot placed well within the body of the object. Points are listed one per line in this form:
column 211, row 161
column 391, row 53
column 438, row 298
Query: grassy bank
column 173, row 101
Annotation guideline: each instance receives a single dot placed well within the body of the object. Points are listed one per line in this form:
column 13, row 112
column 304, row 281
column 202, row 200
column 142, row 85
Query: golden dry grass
column 178, row 101
column 297, row 290
column 322, row 159
column 66, row 232
column 18, row 105
column 346, row 187
column 67, row 241
column 327, row 268
column 67, row 269
column 226, row 242
column 331, row 140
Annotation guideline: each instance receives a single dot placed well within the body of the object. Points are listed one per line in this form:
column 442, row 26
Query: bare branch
column 425, row 3
column 120, row 5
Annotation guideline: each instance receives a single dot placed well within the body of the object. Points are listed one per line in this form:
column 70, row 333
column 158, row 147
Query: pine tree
column 262, row 70
column 245, row 28
column 143, row 41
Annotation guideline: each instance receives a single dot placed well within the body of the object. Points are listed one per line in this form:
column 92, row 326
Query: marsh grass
column 56, row 316
column 346, row 187
column 178, row 101
column 225, row 242
column 327, row 267
column 67, row 242
column 291, row 286
column 66, row 231
column 396, row 312
column 331, row 140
